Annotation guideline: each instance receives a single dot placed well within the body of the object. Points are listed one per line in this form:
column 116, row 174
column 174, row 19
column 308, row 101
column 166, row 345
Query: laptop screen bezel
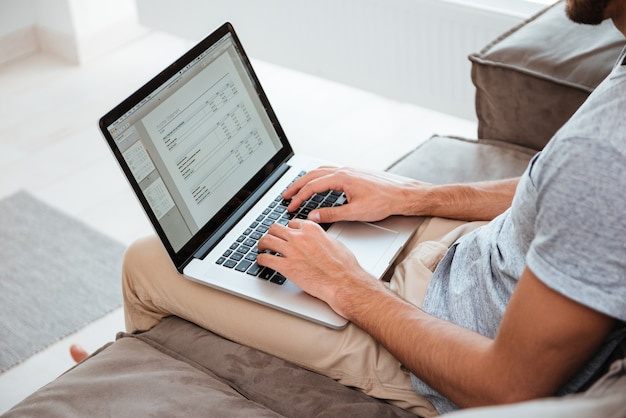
column 224, row 217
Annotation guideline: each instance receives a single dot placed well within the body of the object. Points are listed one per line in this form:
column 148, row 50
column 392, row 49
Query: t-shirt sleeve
column 579, row 247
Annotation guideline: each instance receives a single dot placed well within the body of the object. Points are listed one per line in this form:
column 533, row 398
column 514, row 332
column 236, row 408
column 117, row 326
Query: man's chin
column 589, row 12
column 592, row 22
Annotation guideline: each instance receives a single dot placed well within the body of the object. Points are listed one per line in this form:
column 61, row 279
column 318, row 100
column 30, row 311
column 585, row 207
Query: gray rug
column 56, row 275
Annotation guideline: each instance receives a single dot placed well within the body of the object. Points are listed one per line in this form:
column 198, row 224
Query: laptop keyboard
column 241, row 256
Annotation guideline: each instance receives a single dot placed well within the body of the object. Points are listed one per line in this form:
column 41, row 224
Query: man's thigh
column 415, row 265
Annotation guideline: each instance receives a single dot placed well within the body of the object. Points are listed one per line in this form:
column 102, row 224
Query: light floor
column 50, row 146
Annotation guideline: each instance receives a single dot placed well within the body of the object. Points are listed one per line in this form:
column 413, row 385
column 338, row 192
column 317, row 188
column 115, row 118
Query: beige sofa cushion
column 531, row 79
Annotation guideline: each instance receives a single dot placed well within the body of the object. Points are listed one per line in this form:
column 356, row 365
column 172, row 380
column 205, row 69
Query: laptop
column 208, row 160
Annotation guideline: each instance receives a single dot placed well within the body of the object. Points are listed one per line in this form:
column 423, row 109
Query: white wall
column 15, row 15
column 53, row 15
column 409, row 50
column 17, row 38
column 100, row 25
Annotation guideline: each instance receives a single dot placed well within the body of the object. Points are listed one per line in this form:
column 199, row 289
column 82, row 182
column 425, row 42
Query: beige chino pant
column 153, row 290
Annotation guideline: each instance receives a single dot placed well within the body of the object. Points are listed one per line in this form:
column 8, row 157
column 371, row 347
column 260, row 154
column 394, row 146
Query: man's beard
column 589, row 12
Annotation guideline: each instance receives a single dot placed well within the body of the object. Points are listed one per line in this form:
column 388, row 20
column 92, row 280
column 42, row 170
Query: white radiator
column 409, row 50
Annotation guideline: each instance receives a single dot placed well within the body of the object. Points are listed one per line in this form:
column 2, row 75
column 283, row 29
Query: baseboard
column 18, row 44
column 36, row 39
column 59, row 44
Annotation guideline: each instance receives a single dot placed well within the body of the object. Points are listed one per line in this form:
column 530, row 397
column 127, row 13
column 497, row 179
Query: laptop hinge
column 245, row 207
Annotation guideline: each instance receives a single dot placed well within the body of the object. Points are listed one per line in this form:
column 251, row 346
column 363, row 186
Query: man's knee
column 143, row 252
column 142, row 260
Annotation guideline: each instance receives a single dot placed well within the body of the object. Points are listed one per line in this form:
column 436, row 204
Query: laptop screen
column 198, row 139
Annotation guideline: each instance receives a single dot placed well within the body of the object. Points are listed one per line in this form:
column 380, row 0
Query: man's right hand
column 370, row 196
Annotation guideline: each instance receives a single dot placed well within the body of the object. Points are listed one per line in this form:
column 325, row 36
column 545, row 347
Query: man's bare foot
column 78, row 353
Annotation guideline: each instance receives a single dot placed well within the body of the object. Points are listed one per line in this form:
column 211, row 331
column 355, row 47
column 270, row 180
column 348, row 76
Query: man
column 524, row 306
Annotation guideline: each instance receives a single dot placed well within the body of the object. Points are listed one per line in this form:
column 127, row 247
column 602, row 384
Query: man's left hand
column 317, row 263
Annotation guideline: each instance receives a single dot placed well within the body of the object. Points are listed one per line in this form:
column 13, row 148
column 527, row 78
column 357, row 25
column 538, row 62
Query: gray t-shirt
column 567, row 223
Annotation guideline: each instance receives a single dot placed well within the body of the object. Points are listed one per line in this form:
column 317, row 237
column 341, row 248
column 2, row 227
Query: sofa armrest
column 442, row 160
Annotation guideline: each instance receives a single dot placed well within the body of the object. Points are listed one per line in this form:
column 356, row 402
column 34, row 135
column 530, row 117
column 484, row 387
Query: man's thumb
column 325, row 215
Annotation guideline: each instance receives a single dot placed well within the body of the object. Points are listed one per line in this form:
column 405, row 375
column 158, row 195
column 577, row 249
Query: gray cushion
column 442, row 160
column 179, row 369
column 530, row 80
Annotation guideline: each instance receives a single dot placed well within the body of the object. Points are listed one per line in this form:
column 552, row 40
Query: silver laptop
column 208, row 160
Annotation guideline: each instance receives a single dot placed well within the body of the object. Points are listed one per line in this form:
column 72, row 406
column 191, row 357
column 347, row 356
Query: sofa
column 528, row 82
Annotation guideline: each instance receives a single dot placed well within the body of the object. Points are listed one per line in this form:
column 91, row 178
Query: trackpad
column 368, row 242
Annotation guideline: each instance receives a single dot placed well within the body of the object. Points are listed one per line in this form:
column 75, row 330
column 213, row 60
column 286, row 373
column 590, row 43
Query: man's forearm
column 481, row 201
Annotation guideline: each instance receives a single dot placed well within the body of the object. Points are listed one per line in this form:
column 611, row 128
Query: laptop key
column 251, row 256
column 254, row 269
column 266, row 273
column 236, row 256
column 229, row 263
column 278, row 279
column 243, row 249
column 243, row 265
